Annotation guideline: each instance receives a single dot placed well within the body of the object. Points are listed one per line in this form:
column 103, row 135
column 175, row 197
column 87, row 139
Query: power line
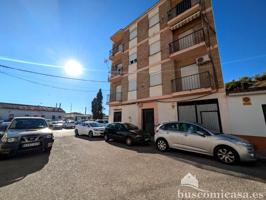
column 50, row 75
column 47, row 85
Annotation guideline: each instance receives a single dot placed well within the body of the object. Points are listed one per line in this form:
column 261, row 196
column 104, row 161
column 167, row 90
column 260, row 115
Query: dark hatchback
column 126, row 132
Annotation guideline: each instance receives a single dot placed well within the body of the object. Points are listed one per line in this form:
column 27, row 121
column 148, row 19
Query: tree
column 96, row 106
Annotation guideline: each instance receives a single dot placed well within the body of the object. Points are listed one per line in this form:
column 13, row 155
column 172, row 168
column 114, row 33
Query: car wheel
column 90, row 134
column 106, row 138
column 162, row 145
column 226, row 155
column 129, row 141
column 76, row 132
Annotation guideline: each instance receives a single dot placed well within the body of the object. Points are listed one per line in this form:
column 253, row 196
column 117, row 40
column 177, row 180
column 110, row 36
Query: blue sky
column 53, row 31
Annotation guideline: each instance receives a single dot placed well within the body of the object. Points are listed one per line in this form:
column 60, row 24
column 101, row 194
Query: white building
column 9, row 111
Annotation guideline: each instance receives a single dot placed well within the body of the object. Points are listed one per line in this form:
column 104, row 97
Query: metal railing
column 187, row 41
column 180, row 8
column 116, row 49
column 114, row 97
column 192, row 82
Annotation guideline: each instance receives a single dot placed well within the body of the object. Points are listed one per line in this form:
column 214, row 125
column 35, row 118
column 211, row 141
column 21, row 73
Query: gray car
column 24, row 134
column 196, row 138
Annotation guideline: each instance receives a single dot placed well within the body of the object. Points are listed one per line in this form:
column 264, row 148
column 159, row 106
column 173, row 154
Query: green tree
column 96, row 106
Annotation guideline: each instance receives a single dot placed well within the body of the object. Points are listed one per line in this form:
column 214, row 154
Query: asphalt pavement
column 84, row 168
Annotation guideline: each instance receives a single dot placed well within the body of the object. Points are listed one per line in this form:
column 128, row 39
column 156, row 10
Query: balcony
column 114, row 97
column 193, row 43
column 182, row 10
column 117, row 51
column 192, row 82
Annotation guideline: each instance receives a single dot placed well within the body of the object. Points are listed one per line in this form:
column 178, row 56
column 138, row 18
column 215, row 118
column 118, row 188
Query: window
column 170, row 127
column 154, row 20
column 133, row 33
column 133, row 58
column 155, row 79
column 155, row 48
column 183, row 127
column 119, row 69
column 132, row 85
column 264, row 111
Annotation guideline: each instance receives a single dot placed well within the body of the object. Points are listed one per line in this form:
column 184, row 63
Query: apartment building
column 166, row 67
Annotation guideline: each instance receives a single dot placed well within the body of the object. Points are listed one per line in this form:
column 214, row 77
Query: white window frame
column 133, row 33
column 153, row 20
column 155, row 49
column 155, row 79
column 134, row 59
column 132, row 85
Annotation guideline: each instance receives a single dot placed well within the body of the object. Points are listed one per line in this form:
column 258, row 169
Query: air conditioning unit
column 203, row 59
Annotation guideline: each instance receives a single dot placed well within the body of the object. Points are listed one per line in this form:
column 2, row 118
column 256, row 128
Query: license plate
column 31, row 144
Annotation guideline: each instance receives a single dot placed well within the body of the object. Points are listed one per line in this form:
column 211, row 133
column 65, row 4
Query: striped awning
column 185, row 21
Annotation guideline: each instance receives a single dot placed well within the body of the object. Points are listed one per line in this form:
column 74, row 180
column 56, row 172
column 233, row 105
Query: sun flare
column 73, row 68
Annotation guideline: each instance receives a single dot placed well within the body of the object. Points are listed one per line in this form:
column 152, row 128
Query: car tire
column 226, row 155
column 90, row 134
column 162, row 145
column 129, row 141
column 76, row 132
column 106, row 137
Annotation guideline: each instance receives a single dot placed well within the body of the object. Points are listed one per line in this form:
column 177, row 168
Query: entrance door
column 118, row 116
column 148, row 121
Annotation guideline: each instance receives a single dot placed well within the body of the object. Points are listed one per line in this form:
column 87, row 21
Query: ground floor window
column 118, row 116
column 205, row 112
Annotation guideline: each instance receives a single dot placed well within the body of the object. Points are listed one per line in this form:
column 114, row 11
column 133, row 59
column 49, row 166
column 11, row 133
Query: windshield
column 94, row 125
column 28, row 124
column 130, row 126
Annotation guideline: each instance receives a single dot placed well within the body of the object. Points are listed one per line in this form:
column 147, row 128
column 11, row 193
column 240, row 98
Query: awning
column 185, row 21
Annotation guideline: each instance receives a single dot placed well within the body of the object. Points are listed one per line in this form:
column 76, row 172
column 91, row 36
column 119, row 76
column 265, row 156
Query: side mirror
column 201, row 133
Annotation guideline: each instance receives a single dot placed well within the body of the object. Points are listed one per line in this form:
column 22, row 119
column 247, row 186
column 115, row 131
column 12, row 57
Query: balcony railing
column 115, row 97
column 117, row 49
column 191, row 82
column 180, row 8
column 187, row 41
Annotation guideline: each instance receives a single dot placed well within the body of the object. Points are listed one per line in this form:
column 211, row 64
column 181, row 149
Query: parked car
column 69, row 124
column 57, row 125
column 26, row 133
column 89, row 128
column 195, row 138
column 102, row 121
column 126, row 132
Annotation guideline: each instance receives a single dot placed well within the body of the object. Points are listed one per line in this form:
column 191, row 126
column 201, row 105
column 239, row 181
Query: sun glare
column 73, row 68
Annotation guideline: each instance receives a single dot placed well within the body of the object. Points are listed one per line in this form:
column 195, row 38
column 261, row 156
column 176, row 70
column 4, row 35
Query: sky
column 51, row 32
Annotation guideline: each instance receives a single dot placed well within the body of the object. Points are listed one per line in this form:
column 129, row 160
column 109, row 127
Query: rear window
column 130, row 126
column 28, row 124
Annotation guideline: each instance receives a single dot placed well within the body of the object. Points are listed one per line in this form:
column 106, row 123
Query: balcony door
column 118, row 93
column 190, row 77
column 186, row 39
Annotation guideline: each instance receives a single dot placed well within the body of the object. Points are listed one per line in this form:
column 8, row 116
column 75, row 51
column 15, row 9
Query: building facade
column 166, row 67
column 78, row 116
column 8, row 111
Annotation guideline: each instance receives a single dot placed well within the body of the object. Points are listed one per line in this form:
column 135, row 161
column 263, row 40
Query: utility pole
column 85, row 110
column 70, row 107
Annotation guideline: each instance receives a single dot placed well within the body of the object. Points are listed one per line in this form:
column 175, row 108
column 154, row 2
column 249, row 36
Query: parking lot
column 84, row 168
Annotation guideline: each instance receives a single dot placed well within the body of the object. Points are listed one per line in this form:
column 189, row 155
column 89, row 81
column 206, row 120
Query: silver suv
column 24, row 134
column 196, row 138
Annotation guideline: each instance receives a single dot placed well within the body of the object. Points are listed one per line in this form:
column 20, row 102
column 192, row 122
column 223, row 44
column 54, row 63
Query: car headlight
column 242, row 143
column 49, row 136
column 5, row 139
column 12, row 140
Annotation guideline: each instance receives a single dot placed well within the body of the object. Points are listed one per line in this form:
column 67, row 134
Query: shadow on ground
column 85, row 137
column 17, row 168
column 253, row 171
